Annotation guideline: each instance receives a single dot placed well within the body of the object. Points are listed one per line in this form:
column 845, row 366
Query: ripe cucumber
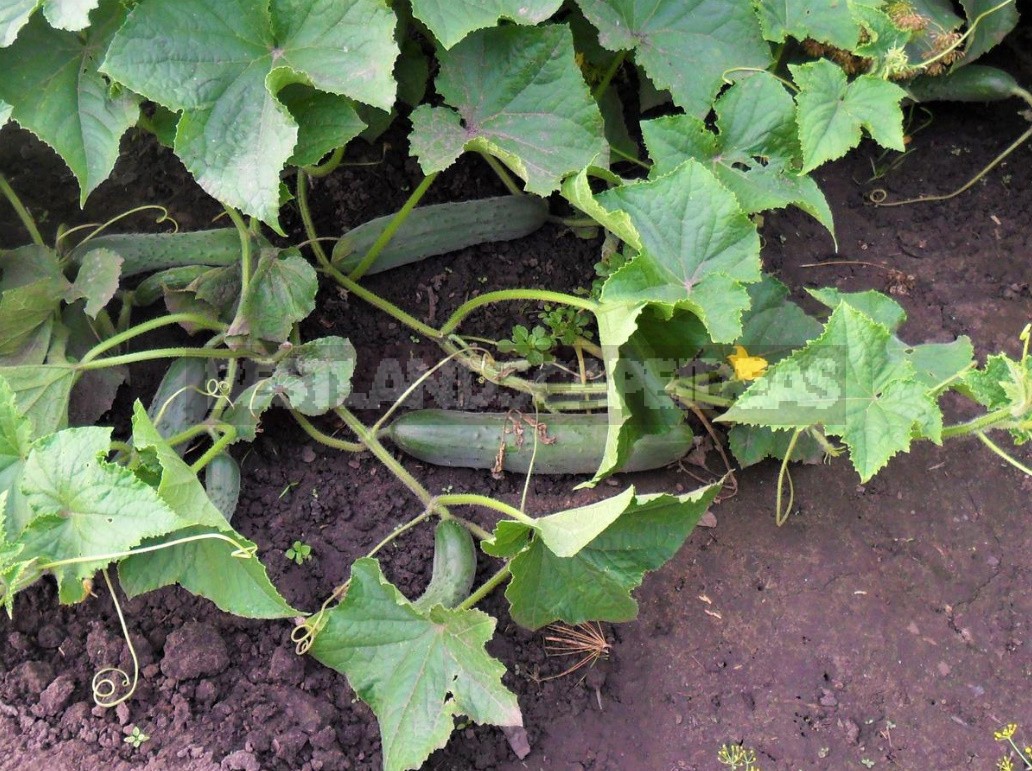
column 572, row 443
column 442, row 228
column 146, row 252
column 222, row 483
column 455, row 564
column 973, row 83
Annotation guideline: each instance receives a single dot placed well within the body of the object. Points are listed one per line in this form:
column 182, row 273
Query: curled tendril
column 304, row 634
column 218, row 389
column 105, row 685
column 97, row 229
column 878, row 195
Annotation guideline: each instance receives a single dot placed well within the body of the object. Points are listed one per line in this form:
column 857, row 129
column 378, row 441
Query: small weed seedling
column 300, row 552
column 136, row 737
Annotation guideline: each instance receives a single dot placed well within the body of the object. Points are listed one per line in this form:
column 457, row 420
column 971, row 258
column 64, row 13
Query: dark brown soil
column 885, row 625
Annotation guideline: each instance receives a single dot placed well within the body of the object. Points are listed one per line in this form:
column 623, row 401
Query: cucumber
column 222, row 483
column 455, row 564
column 184, row 383
column 442, row 228
column 146, row 252
column 152, row 288
column 973, row 83
column 576, row 442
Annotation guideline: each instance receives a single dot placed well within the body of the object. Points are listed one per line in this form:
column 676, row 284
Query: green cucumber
column 146, row 252
column 152, row 288
column 455, row 564
column 183, row 389
column 222, row 483
column 575, row 442
column 973, row 83
column 442, row 228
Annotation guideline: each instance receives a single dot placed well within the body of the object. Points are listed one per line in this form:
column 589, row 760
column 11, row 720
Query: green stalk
column 21, row 211
column 485, row 589
column 306, row 219
column 228, row 437
column 781, row 515
column 473, row 499
column 502, row 174
column 378, row 302
column 614, row 67
column 1002, row 453
column 161, row 353
column 392, row 227
column 326, row 439
column 981, row 423
column 147, row 326
column 369, row 439
column 327, row 167
column 427, row 513
column 503, row 295
column 245, row 247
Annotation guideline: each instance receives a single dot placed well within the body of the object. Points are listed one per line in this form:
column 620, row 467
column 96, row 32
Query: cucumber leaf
column 72, row 15
column 848, row 381
column 281, row 293
column 991, row 28
column 208, row 567
column 877, row 306
column 515, row 93
column 699, row 248
column 577, row 190
column 828, row 22
column 15, row 443
column 14, row 14
column 52, row 83
column 417, row 670
column 24, row 310
column 582, row 564
column 685, row 47
column 324, row 122
column 97, row 280
column 82, row 505
column 451, row 20
column 753, row 153
column 42, row 393
column 223, row 64
column 833, row 110
column 752, row 444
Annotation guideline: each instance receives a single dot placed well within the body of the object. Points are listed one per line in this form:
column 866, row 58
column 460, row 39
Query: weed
column 300, row 552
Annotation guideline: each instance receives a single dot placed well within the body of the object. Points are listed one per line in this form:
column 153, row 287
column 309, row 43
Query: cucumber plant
column 740, row 114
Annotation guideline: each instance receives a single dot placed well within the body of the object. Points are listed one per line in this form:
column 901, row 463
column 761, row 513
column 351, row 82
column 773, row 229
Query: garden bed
column 885, row 624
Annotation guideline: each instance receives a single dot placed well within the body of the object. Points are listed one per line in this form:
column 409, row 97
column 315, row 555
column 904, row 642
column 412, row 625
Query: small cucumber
column 570, row 444
column 182, row 388
column 152, row 288
column 973, row 83
column 222, row 483
column 455, row 564
column 442, row 228
column 146, row 252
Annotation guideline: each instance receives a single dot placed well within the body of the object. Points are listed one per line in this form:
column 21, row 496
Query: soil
column 885, row 625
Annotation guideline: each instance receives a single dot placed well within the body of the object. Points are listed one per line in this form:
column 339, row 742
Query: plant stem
column 228, row 437
column 21, row 211
column 502, row 295
column 781, row 516
column 147, row 326
column 485, row 589
column 162, row 353
column 378, row 302
column 611, row 70
column 373, row 444
column 981, row 423
column 1002, row 453
column 327, row 167
column 392, row 227
column 187, row 434
column 306, row 219
column 503, row 175
column 473, row 499
column 240, row 551
column 245, row 247
column 427, row 513
column 322, row 438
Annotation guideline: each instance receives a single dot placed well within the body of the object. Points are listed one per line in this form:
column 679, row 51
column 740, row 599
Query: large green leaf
column 208, row 567
column 223, row 64
column 848, row 381
column 686, row 46
column 991, row 28
column 829, row 21
column 13, row 16
column 832, row 111
column 324, row 122
column 752, row 444
column 753, row 153
column 24, row 309
column 517, row 94
column 577, row 190
column 417, row 670
column 42, row 393
column 72, row 15
column 51, row 81
column 97, row 280
column 451, row 20
column 15, row 443
column 281, row 293
column 699, row 248
column 582, row 564
column 84, row 506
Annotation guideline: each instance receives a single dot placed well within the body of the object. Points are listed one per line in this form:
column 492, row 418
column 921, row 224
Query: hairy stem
column 196, row 319
column 21, row 211
column 504, row 295
column 485, row 589
column 473, row 499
